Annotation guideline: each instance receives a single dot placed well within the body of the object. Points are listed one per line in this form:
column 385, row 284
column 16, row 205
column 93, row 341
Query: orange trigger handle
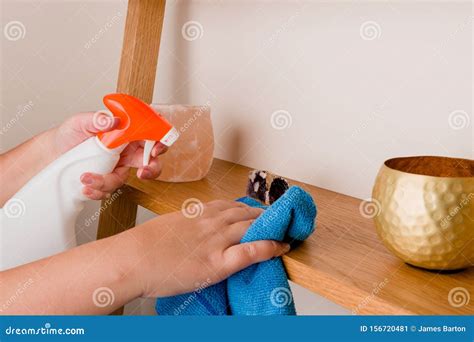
column 138, row 121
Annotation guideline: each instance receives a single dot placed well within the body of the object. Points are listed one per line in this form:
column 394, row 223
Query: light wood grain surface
column 141, row 45
column 344, row 260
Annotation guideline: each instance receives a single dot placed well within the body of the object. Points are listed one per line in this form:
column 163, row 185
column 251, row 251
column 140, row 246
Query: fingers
column 158, row 149
column 222, row 205
column 100, row 186
column 236, row 231
column 151, row 171
column 132, row 156
column 94, row 194
column 239, row 214
column 243, row 255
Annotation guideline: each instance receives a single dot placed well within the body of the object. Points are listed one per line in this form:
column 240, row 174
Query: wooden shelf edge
column 344, row 260
column 320, row 283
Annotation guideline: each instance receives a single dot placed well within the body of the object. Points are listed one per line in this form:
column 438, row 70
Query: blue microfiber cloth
column 261, row 289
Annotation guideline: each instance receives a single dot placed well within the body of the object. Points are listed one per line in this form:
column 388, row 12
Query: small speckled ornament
column 265, row 186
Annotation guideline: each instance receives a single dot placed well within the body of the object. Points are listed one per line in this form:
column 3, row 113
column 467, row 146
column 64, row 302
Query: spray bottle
column 39, row 220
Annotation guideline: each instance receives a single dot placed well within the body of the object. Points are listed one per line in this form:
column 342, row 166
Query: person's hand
column 176, row 253
column 85, row 125
column 169, row 255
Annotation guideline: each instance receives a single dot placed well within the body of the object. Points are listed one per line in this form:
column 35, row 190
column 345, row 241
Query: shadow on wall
column 182, row 72
column 180, row 67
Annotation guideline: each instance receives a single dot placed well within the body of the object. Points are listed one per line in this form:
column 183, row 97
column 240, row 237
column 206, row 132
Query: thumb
column 101, row 121
column 243, row 255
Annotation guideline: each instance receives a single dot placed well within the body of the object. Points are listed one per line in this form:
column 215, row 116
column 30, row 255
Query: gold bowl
column 425, row 210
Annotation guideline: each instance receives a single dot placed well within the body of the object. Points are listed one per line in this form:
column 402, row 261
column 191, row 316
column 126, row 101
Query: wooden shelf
column 344, row 260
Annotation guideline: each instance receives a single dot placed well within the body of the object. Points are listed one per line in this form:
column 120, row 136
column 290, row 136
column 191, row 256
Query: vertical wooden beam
column 118, row 213
column 141, row 44
column 140, row 49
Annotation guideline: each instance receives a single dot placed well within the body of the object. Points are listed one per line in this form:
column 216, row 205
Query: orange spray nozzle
column 138, row 121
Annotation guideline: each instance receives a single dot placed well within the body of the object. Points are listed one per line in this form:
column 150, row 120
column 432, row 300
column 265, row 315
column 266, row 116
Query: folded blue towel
column 261, row 289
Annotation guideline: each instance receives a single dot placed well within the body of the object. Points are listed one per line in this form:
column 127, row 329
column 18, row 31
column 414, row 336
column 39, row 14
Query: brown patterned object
column 265, row 186
column 257, row 185
column 278, row 187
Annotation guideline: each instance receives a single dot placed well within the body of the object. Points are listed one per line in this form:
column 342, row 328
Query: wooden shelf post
column 141, row 44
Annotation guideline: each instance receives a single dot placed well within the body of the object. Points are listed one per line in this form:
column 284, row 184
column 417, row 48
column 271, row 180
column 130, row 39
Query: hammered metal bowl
column 426, row 211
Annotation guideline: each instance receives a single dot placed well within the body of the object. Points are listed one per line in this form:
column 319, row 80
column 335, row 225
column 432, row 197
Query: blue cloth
column 261, row 289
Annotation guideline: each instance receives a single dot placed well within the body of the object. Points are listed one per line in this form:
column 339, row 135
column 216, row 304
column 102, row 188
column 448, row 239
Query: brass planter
column 426, row 210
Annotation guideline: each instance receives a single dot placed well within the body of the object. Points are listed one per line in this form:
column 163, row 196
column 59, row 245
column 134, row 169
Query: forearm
column 95, row 278
column 21, row 163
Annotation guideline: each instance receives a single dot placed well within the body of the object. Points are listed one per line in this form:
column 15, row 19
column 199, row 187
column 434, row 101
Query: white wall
column 353, row 101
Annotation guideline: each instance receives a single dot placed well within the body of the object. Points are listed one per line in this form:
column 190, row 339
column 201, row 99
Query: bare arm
column 149, row 260
column 20, row 164
column 84, row 280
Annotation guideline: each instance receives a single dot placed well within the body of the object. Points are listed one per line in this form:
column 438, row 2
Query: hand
column 173, row 252
column 85, row 125
column 169, row 255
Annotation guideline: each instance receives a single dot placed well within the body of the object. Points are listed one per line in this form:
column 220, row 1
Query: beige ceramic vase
column 190, row 158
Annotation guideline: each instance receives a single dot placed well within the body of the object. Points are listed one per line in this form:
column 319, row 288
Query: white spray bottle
column 39, row 220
